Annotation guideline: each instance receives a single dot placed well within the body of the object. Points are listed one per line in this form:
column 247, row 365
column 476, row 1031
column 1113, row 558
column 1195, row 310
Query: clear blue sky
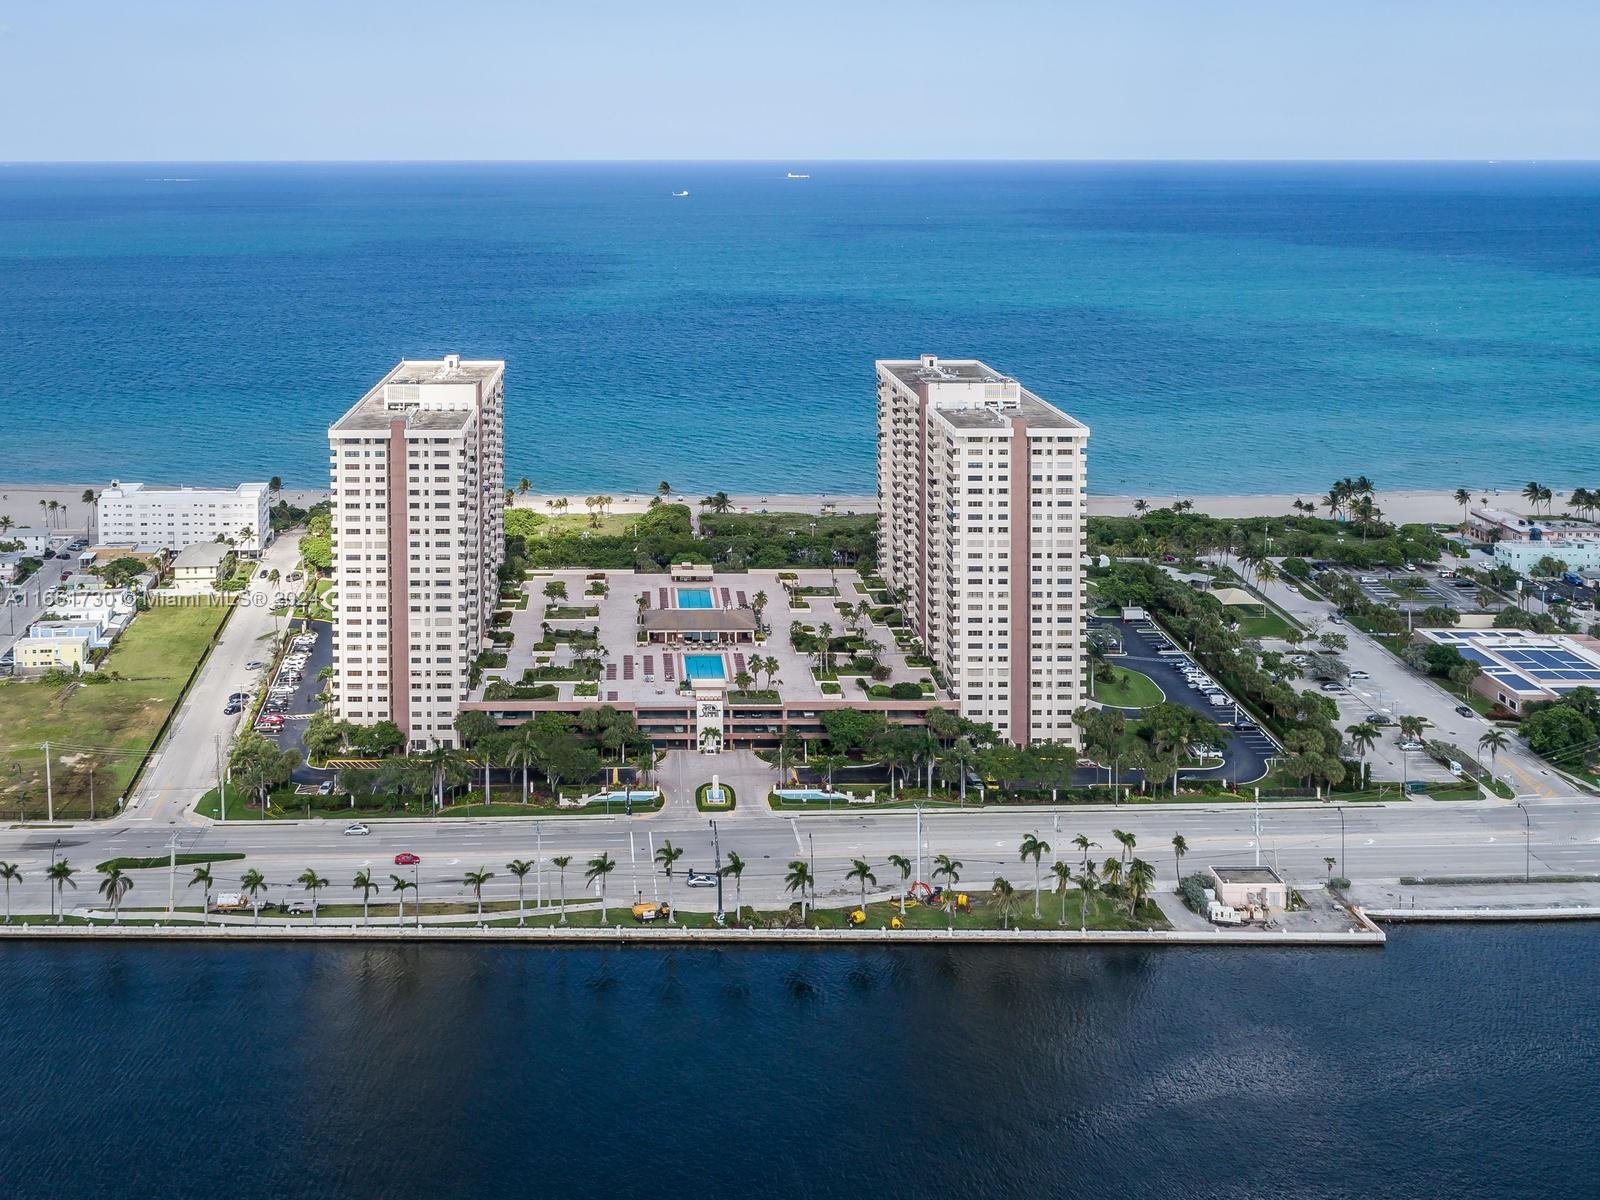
column 798, row 80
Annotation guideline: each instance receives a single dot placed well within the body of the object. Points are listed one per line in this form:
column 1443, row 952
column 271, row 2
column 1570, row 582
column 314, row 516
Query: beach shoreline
column 21, row 501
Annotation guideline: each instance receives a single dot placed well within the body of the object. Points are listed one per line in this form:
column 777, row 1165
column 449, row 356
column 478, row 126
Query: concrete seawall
column 630, row 935
column 1402, row 915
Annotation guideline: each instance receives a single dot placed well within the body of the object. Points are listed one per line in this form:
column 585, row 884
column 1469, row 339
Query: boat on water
column 792, row 175
column 685, row 192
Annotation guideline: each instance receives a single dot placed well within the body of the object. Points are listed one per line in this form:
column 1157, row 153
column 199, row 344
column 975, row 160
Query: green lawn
column 1127, row 689
column 155, row 656
column 287, row 805
column 184, row 860
column 705, row 805
column 1269, row 625
column 1104, row 913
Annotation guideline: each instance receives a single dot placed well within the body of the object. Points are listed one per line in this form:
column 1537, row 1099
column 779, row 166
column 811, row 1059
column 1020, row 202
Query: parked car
column 325, row 788
column 232, row 708
column 1463, row 711
column 406, row 859
column 253, row 665
column 1330, row 685
column 356, row 829
column 1359, row 675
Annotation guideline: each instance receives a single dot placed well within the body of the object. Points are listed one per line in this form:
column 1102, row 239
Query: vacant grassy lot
column 104, row 728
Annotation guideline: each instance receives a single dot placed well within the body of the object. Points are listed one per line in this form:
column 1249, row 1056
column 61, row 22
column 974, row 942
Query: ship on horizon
column 793, row 175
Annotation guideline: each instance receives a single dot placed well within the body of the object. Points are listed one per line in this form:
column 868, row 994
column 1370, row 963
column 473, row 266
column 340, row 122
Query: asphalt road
column 1381, row 842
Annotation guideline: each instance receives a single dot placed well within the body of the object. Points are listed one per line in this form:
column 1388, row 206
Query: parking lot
column 298, row 705
column 1413, row 591
column 1245, row 746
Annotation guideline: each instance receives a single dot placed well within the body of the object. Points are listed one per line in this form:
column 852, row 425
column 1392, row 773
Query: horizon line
column 798, row 159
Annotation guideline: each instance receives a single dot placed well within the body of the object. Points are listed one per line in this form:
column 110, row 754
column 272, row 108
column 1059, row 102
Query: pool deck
column 635, row 674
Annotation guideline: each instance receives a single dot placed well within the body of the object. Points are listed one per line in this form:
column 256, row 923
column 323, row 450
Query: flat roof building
column 417, row 469
column 1250, row 887
column 131, row 514
column 981, row 528
column 1519, row 667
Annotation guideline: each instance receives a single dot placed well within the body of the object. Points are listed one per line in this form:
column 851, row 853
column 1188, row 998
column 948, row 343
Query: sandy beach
column 1401, row 506
column 20, row 502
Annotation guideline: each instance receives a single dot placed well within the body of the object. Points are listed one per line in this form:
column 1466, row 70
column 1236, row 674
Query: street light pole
column 1342, row 870
column 716, row 858
column 1527, row 848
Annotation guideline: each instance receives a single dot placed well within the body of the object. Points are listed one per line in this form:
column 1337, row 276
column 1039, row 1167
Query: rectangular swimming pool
column 694, row 597
column 703, row 666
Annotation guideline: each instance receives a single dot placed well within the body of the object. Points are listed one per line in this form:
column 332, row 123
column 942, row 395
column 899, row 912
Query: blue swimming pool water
column 694, row 597
column 703, row 666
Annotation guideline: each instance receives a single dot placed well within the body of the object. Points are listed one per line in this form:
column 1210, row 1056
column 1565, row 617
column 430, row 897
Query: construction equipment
column 647, row 910
column 896, row 923
column 858, row 917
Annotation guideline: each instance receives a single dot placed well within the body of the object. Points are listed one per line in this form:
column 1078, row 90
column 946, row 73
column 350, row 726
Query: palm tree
column 1533, row 493
column 363, row 884
column 1035, row 849
column 902, row 864
column 562, row 861
column 313, row 883
column 1330, row 862
column 668, row 855
column 475, row 880
column 1086, row 885
column 950, row 869
column 524, row 486
column 114, row 887
column 1004, row 897
column 202, row 876
column 1063, row 874
column 1463, row 498
column 861, row 869
column 520, row 868
column 254, row 882
column 1141, row 878
column 1083, row 843
column 400, row 884
column 60, row 874
column 599, row 867
column 1112, row 870
column 1127, row 840
column 798, row 879
column 734, row 871
column 1494, row 741
column 1180, row 847
column 10, row 874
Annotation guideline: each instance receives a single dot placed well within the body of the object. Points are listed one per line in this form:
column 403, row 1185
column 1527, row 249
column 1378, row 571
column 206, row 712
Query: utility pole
column 1258, row 828
column 1527, row 848
column 172, row 872
column 222, row 781
column 716, row 858
column 1342, row 870
column 655, row 892
column 919, row 844
column 49, row 790
column 633, row 867
column 538, row 859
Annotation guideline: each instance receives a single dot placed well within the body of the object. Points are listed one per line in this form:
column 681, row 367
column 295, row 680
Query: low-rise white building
column 1250, row 887
column 131, row 514
column 1523, row 556
column 31, row 540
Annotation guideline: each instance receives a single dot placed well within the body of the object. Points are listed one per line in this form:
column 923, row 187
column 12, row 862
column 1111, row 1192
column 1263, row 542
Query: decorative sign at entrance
column 708, row 724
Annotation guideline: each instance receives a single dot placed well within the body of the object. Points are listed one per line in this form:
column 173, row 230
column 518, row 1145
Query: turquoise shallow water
column 1222, row 327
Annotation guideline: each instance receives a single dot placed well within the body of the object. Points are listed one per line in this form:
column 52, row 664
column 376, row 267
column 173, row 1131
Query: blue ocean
column 1223, row 328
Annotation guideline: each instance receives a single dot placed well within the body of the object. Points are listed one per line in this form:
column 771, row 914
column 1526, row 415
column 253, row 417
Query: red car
column 406, row 859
